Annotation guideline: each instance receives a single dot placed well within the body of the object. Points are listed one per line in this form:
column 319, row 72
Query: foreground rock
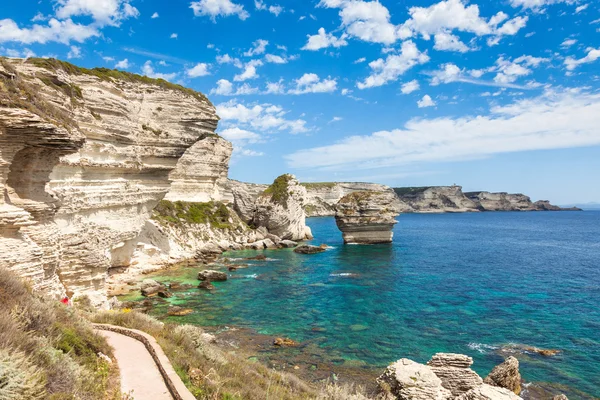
column 308, row 249
column 279, row 209
column 445, row 377
column 506, row 375
column 177, row 311
column 284, row 342
column 150, row 288
column 212, row 276
column 367, row 217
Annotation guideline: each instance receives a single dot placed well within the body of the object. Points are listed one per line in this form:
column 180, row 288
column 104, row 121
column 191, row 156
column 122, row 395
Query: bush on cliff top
column 106, row 74
column 278, row 191
column 180, row 212
column 48, row 350
column 319, row 185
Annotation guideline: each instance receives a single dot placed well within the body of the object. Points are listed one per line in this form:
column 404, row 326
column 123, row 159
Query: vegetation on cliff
column 278, row 190
column 48, row 350
column 180, row 212
column 106, row 74
column 319, row 185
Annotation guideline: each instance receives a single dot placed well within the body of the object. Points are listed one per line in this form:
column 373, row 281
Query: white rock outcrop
column 367, row 217
column 280, row 209
column 92, row 160
column 446, row 376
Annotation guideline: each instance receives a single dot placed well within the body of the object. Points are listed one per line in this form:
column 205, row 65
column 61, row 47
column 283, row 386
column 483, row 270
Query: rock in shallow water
column 506, row 375
column 308, row 249
column 179, row 311
column 367, row 217
column 210, row 275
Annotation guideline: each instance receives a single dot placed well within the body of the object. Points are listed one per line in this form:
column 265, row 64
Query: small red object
column 65, row 300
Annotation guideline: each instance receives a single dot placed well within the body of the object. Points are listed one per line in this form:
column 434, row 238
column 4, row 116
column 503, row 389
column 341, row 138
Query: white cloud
column 200, row 69
column 266, row 118
column 216, row 8
column 155, row 15
column 510, row 71
column 74, row 52
column 410, row 87
column 592, row 55
column 271, row 58
column 568, row 43
column 25, row 53
column 445, row 41
column 581, row 8
column 323, row 40
column 360, row 60
column 249, row 71
column 335, row 119
column 394, row 65
column 260, row 46
column 56, row 31
column 149, row 71
column 173, row 36
column 275, row 87
column 551, row 121
column 426, row 101
column 224, row 88
column 123, row 64
column 109, row 12
column 273, row 9
column 311, row 83
column 237, row 134
column 227, row 59
column 537, row 5
column 447, row 74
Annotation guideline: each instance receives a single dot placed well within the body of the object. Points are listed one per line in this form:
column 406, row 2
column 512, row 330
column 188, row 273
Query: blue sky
column 493, row 95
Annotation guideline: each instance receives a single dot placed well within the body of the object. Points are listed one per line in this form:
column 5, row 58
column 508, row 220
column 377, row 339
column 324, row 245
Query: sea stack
column 367, row 217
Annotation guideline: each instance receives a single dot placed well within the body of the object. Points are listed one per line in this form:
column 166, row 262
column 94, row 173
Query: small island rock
column 308, row 249
column 212, row 276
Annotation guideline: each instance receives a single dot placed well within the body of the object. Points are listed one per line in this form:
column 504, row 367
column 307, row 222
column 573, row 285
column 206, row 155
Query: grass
column 358, row 197
column 319, row 185
column 48, row 350
column 278, row 191
column 214, row 213
column 107, row 74
column 18, row 93
column 213, row 373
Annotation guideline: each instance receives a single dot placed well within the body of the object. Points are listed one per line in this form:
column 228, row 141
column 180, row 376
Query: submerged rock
column 308, row 249
column 284, row 342
column 506, row 375
column 367, row 217
column 206, row 285
column 179, row 311
column 260, row 257
column 210, row 275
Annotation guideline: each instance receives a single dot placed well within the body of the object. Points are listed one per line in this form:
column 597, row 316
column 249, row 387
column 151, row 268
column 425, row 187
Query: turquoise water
column 465, row 283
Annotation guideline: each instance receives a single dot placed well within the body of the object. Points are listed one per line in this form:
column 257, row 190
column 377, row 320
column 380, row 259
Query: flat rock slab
column 140, row 376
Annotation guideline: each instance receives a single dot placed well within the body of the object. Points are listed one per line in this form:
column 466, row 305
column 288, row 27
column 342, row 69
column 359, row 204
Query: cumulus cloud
column 395, row 65
column 226, row 88
column 55, row 31
column 218, row 8
column 568, row 43
column 537, row 5
column 200, row 69
column 249, row 71
column 148, row 70
column 155, row 15
column 264, row 118
column 410, row 87
column 227, row 59
column 103, row 12
column 592, row 55
column 273, row 9
column 259, row 47
column 323, row 40
column 74, row 52
column 551, row 121
column 123, row 64
column 311, row 83
column 426, row 101
column 272, row 58
column 445, row 41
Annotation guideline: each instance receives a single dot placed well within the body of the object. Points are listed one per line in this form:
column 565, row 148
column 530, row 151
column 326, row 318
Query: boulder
column 260, row 257
column 212, row 276
column 289, row 244
column 560, row 397
column 408, row 380
column 150, row 287
column 453, row 370
column 284, row 342
column 308, row 249
column 488, row 392
column 506, row 375
column 367, row 217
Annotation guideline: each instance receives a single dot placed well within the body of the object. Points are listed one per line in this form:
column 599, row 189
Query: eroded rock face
column 506, row 375
column 367, row 217
column 280, row 210
column 436, row 199
column 98, row 180
column 323, row 196
column 446, row 376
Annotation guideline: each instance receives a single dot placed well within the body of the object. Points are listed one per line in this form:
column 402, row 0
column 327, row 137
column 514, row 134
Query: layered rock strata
column 445, row 377
column 323, row 196
column 436, row 199
column 280, row 209
column 106, row 143
column 367, row 217
column 506, row 375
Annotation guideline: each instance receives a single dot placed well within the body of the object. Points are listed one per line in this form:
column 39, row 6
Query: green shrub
column 278, row 191
column 215, row 213
column 20, row 379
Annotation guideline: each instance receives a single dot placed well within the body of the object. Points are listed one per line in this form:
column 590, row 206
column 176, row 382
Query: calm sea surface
column 464, row 283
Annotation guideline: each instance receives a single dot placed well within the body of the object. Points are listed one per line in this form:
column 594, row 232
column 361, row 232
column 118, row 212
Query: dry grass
column 213, row 373
column 53, row 346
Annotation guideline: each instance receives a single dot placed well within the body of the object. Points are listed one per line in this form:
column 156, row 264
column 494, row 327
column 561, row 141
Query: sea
column 487, row 285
